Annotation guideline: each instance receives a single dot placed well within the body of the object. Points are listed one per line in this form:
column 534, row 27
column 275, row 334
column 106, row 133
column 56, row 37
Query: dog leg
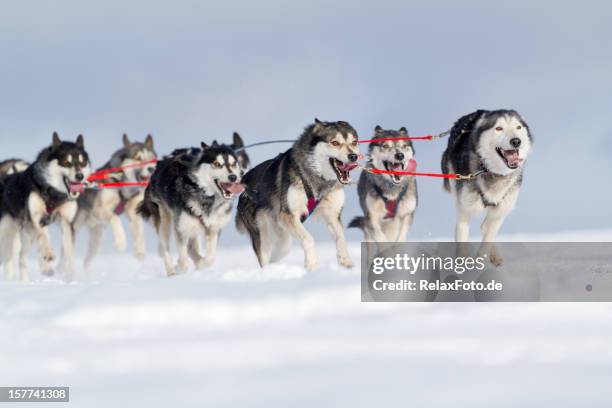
column 182, row 245
column 405, row 224
column 26, row 246
column 137, row 227
column 96, row 233
column 490, row 227
column 282, row 247
column 296, row 229
column 67, row 258
column 331, row 211
column 268, row 239
column 10, row 247
column 462, row 229
column 164, row 241
column 194, row 252
column 212, row 239
column 39, row 218
column 118, row 233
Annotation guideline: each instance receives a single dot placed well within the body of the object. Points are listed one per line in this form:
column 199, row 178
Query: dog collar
column 391, row 205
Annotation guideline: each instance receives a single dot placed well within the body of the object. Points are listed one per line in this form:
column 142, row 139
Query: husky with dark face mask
column 99, row 208
column 192, row 195
column 46, row 192
column 388, row 201
column 495, row 145
column 307, row 179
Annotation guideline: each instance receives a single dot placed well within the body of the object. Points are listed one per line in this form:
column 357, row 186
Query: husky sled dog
column 497, row 144
column 12, row 166
column 191, row 195
column 237, row 145
column 33, row 199
column 388, row 201
column 284, row 191
column 98, row 208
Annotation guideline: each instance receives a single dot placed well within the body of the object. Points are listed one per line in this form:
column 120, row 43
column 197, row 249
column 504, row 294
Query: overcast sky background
column 193, row 70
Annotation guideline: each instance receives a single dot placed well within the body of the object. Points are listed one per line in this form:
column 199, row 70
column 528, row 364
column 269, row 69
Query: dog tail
column 357, row 222
column 148, row 210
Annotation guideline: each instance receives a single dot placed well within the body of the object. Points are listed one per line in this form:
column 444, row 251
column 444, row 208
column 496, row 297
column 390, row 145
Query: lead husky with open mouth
column 190, row 195
column 494, row 144
column 47, row 191
column 283, row 192
column 388, row 201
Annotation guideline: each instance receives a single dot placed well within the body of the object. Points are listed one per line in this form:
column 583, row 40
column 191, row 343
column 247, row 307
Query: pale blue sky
column 194, row 70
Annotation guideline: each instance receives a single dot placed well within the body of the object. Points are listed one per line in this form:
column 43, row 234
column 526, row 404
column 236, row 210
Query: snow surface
column 236, row 335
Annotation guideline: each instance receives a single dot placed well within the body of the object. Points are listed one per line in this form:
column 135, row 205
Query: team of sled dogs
column 190, row 193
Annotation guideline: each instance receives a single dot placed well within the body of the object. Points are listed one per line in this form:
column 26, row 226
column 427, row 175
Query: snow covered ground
column 236, row 335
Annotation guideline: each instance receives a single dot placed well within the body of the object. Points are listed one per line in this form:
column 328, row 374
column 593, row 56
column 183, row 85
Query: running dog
column 12, row 166
column 99, row 208
column 237, row 145
column 191, row 195
column 46, row 192
column 388, row 201
column 308, row 178
column 494, row 145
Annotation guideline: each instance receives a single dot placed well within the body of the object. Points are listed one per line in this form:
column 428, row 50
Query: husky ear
column 149, row 142
column 403, row 131
column 204, row 146
column 215, row 143
column 237, row 141
column 80, row 141
column 378, row 129
column 56, row 139
column 126, row 141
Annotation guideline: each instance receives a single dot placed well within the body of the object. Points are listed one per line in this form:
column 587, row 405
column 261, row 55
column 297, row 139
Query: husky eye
column 499, row 128
column 335, row 143
column 217, row 165
column 519, row 127
column 355, row 143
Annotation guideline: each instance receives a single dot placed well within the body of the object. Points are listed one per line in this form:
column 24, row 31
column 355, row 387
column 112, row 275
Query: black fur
column 17, row 188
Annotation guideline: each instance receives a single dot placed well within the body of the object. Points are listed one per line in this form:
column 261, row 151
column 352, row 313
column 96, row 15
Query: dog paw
column 140, row 255
column 311, row 264
column 345, row 260
column 48, row 256
column 204, row 263
column 496, row 259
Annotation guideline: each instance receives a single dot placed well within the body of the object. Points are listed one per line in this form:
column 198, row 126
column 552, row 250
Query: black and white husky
column 388, row 201
column 496, row 145
column 12, row 166
column 99, row 208
column 284, row 191
column 45, row 192
column 190, row 195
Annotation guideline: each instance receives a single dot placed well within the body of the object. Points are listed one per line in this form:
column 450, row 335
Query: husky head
column 392, row 155
column 12, row 166
column 331, row 149
column 65, row 165
column 218, row 169
column 243, row 157
column 502, row 140
column 134, row 153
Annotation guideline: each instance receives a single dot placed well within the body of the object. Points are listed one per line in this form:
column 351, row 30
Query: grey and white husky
column 99, row 208
column 495, row 144
column 12, row 166
column 308, row 178
column 190, row 196
column 30, row 201
column 388, row 201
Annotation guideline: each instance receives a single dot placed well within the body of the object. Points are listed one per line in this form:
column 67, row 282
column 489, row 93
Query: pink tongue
column 411, row 166
column 512, row 157
column 77, row 187
column 347, row 166
column 234, row 188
